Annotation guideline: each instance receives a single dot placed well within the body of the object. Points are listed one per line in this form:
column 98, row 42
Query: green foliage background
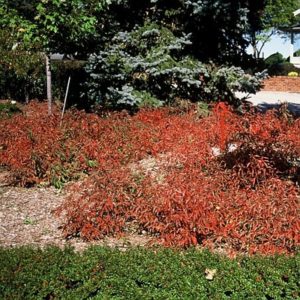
column 210, row 35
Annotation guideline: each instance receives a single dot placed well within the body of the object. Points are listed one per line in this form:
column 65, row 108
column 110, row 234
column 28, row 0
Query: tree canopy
column 275, row 15
column 218, row 31
column 55, row 25
column 217, row 28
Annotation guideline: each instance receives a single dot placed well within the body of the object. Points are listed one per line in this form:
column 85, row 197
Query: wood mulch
column 27, row 218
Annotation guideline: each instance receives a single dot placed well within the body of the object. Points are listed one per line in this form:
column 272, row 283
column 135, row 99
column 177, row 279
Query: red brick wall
column 282, row 84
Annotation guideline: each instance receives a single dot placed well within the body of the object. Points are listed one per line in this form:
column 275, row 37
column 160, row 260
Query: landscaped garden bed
column 144, row 183
column 226, row 182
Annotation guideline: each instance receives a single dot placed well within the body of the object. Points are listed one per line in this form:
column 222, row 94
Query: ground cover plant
column 101, row 273
column 225, row 181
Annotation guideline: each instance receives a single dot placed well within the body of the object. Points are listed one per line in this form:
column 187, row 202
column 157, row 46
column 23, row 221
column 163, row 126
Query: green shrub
column 150, row 63
column 7, row 109
column 282, row 69
column 22, row 86
column 101, row 273
column 21, row 71
column 277, row 65
column 275, row 58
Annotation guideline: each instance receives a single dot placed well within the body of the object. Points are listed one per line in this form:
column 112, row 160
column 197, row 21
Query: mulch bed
column 27, row 218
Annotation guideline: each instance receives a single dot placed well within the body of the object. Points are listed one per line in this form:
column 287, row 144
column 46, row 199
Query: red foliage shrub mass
column 157, row 171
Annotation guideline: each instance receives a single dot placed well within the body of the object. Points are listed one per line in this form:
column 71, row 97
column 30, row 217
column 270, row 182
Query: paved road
column 266, row 100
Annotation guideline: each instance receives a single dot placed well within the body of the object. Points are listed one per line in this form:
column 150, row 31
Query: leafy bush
column 209, row 204
column 101, row 273
column 7, row 109
column 278, row 66
column 286, row 68
column 293, row 74
column 275, row 58
column 41, row 153
column 263, row 148
column 157, row 170
column 150, row 63
column 282, row 69
column 21, row 71
column 23, row 80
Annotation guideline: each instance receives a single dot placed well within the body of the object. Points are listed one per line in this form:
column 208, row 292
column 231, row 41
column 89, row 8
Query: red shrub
column 156, row 171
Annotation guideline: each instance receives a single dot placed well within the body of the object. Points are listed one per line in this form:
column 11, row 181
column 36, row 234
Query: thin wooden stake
column 65, row 101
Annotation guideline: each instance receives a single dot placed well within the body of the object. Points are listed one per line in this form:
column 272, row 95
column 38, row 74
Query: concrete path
column 266, row 100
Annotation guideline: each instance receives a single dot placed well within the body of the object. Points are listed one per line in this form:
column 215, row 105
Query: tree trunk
column 49, row 84
column 253, row 43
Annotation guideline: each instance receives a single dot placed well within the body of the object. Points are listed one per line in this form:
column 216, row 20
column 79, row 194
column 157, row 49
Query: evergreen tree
column 149, row 64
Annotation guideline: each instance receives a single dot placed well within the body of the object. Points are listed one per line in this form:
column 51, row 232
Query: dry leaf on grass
column 210, row 273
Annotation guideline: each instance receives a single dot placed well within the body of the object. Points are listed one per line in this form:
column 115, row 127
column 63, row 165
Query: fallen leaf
column 210, row 273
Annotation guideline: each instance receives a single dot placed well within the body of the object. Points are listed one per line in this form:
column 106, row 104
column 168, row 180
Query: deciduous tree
column 275, row 15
